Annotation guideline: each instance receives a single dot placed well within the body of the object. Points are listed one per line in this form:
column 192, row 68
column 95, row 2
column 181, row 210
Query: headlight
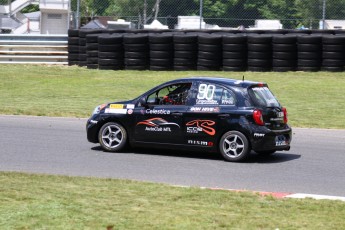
column 98, row 109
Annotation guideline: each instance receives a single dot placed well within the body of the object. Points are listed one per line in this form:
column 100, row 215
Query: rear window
column 263, row 97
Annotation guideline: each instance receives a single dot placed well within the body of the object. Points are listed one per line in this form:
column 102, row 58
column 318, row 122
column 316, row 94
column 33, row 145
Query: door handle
column 176, row 114
column 224, row 115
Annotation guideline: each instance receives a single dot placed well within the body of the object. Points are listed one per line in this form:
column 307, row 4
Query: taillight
column 285, row 115
column 257, row 116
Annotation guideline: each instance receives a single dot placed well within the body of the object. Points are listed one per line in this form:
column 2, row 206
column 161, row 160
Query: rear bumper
column 266, row 139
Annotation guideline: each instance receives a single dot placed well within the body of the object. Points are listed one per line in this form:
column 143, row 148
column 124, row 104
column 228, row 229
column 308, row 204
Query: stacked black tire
column 209, row 52
column 92, row 51
column 73, row 47
column 185, row 51
column 259, row 52
column 309, row 55
column 333, row 48
column 110, row 52
column 161, row 51
column 234, row 53
column 136, row 48
column 82, row 45
column 284, row 53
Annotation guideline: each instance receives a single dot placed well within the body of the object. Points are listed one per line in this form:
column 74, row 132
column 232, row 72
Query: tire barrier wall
column 280, row 50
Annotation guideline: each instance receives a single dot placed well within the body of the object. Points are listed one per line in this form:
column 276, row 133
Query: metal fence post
column 323, row 13
column 200, row 10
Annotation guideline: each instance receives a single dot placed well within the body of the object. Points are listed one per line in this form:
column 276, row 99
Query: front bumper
column 92, row 127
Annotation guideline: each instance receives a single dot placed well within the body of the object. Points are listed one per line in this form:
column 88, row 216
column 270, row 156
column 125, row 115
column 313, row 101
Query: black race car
column 222, row 115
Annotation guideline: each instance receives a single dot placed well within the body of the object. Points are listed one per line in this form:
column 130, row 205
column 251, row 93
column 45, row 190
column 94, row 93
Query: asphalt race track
column 315, row 163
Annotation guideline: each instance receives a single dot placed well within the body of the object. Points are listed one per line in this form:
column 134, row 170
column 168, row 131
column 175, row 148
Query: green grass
column 57, row 202
column 312, row 99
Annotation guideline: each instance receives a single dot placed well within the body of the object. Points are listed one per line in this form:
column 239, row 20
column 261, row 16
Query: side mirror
column 142, row 102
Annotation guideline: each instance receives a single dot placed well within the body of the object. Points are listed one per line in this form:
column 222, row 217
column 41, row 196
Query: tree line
column 292, row 13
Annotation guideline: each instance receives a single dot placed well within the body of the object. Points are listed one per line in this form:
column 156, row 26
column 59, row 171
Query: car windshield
column 262, row 96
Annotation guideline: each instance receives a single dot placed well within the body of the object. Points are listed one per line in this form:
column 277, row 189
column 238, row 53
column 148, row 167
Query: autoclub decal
column 157, row 124
column 197, row 126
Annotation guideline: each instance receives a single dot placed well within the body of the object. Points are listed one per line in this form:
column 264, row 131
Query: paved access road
column 315, row 164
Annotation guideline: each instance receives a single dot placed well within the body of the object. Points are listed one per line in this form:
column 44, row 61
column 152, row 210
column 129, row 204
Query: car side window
column 228, row 98
column 175, row 94
column 212, row 94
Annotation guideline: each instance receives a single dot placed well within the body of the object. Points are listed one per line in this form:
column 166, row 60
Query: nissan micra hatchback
column 231, row 117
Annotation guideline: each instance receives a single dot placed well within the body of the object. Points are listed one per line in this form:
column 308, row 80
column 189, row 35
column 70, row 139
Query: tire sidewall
column 124, row 137
column 246, row 151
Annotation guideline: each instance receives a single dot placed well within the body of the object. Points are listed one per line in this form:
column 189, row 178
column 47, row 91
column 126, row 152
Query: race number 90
column 206, row 92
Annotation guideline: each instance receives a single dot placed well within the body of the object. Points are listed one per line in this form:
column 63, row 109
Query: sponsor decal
column 202, row 143
column 277, row 119
column 130, row 106
column 206, row 102
column 157, row 124
column 259, row 134
column 228, row 101
column 157, row 111
column 158, row 129
column 115, row 111
column 281, row 140
column 130, row 111
column 205, row 109
column 116, row 106
column 197, row 126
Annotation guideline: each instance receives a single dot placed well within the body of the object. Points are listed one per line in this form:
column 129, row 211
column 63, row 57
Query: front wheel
column 112, row 137
column 234, row 146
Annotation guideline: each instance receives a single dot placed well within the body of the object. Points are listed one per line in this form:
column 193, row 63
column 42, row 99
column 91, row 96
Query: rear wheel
column 234, row 146
column 112, row 137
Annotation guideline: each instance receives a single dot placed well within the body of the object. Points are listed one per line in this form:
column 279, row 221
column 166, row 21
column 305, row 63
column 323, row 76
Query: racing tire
column 184, row 67
column 234, row 146
column 234, row 68
column 332, row 48
column 309, row 39
column 73, row 33
column 284, row 39
column 284, row 47
column 209, row 48
column 112, row 137
column 233, row 55
column 235, row 39
column 185, row 54
column 259, row 47
column 73, row 41
column 160, row 39
column 73, row 49
column 184, row 39
column 283, row 69
column 235, row 47
column 161, row 46
column 333, row 68
column 110, row 55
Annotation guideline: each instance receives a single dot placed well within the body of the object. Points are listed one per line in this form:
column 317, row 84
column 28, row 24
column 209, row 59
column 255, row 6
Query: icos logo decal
column 197, row 126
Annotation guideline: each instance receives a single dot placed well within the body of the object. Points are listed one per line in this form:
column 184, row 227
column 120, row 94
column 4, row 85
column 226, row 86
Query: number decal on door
column 206, row 92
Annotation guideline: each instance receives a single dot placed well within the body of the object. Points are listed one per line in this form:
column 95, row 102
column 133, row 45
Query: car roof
column 220, row 80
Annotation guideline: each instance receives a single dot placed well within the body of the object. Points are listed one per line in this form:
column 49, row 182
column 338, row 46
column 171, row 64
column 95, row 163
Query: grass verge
column 29, row 201
column 312, row 99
